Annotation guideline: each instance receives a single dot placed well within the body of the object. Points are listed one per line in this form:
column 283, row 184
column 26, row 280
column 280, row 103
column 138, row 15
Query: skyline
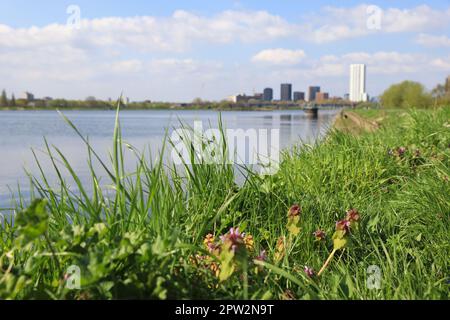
column 184, row 50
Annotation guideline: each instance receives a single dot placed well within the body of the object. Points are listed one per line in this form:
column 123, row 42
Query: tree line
column 410, row 94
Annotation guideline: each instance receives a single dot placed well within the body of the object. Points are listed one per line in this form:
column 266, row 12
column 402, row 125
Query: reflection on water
column 22, row 130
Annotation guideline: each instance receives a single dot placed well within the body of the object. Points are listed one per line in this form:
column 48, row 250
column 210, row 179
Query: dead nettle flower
column 262, row 256
column 343, row 225
column 319, row 234
column 417, row 153
column 249, row 242
column 210, row 244
column 309, row 272
column 294, row 211
column 293, row 224
column 280, row 248
column 233, row 238
column 341, row 235
column 401, row 151
column 352, row 215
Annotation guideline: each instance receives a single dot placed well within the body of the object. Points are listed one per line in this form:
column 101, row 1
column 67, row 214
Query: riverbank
column 167, row 234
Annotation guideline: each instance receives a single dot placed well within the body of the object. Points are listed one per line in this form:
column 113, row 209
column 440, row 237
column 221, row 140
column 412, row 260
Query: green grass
column 142, row 237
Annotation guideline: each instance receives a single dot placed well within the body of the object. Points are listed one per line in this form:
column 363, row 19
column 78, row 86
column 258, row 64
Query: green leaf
column 339, row 240
column 33, row 221
column 226, row 263
column 293, row 225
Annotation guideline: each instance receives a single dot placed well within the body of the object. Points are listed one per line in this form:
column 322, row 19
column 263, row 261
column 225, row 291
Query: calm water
column 20, row 131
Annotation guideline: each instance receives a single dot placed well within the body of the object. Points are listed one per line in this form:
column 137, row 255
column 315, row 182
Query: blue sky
column 178, row 50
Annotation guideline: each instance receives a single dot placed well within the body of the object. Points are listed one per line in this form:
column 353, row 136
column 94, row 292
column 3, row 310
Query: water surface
column 20, row 131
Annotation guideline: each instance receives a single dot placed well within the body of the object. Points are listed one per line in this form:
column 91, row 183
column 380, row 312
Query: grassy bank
column 158, row 236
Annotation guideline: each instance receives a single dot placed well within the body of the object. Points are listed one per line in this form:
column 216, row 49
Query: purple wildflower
column 309, row 272
column 262, row 256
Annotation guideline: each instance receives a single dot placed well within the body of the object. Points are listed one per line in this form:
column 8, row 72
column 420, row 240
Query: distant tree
column 12, row 103
column 3, row 99
column 439, row 91
column 197, row 101
column 408, row 94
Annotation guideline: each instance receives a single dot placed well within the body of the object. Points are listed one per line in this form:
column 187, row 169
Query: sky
column 180, row 50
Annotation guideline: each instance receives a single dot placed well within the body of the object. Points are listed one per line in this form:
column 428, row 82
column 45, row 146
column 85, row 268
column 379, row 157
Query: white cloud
column 279, row 56
column 442, row 63
column 155, row 53
column 430, row 40
column 127, row 66
column 353, row 22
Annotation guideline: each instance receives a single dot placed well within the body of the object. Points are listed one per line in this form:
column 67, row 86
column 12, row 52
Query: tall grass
column 142, row 235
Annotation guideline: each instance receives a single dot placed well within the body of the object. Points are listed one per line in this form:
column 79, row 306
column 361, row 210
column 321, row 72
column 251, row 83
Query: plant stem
column 58, row 266
column 327, row 262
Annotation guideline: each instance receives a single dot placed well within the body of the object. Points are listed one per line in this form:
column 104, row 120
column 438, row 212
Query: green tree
column 438, row 91
column 408, row 94
column 3, row 99
column 12, row 103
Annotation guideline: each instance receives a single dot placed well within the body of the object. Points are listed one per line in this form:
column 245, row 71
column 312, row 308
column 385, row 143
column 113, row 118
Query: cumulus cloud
column 356, row 22
column 430, row 40
column 146, row 49
column 279, row 56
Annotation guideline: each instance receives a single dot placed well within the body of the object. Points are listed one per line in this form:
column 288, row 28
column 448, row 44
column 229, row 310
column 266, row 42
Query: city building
column 258, row 96
column 312, row 92
column 243, row 98
column 299, row 96
column 28, row 96
column 347, row 96
column 358, row 83
column 286, row 92
column 90, row 99
column 268, row 94
column 322, row 96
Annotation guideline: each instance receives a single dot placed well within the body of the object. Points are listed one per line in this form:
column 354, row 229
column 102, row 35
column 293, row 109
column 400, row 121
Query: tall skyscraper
column 358, row 83
column 268, row 94
column 312, row 92
column 286, row 92
column 299, row 96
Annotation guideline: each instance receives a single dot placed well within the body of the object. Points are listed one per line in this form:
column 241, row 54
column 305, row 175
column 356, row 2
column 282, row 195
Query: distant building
column 243, row 98
column 322, row 96
column 286, row 92
column 358, row 83
column 346, row 96
column 258, row 96
column 268, row 94
column 28, row 96
column 312, row 92
column 299, row 96
column 447, row 85
column 90, row 98
column 47, row 98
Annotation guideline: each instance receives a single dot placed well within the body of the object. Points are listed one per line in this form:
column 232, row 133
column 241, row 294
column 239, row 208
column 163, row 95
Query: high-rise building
column 322, row 96
column 286, row 92
column 358, row 83
column 312, row 92
column 268, row 94
column 299, row 96
column 28, row 96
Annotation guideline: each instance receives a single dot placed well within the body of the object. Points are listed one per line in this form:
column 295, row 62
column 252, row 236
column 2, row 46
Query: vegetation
column 408, row 94
column 168, row 232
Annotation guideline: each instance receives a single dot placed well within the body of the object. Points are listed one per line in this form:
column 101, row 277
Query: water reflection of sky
column 22, row 130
